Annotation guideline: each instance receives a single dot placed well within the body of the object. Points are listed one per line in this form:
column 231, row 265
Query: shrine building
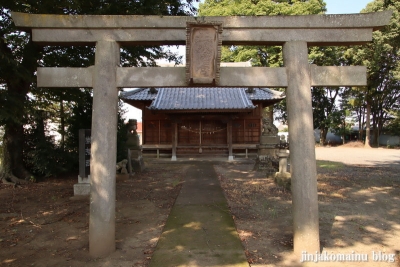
column 209, row 120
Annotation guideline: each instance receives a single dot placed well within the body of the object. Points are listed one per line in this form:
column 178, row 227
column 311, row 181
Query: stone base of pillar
column 267, row 140
column 173, row 158
column 137, row 163
column 266, row 159
column 283, row 179
column 267, row 163
column 82, row 189
column 230, row 158
column 84, row 180
column 266, row 151
column 124, row 170
column 267, row 146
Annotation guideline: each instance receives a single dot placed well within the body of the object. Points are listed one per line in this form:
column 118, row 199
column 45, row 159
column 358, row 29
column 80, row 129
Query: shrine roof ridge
column 374, row 20
column 203, row 98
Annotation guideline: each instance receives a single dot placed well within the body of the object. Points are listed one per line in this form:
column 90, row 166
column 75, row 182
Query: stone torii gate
column 294, row 33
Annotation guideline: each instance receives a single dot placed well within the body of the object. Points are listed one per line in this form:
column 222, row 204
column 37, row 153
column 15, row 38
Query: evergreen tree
column 326, row 110
column 381, row 57
column 265, row 56
column 19, row 58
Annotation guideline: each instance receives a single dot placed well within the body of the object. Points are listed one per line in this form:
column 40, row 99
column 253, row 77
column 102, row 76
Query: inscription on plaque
column 84, row 152
column 203, row 53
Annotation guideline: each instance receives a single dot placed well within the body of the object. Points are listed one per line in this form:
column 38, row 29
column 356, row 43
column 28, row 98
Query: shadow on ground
column 359, row 213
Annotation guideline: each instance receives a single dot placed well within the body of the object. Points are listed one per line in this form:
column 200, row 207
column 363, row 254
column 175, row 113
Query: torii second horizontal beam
column 317, row 37
column 176, row 77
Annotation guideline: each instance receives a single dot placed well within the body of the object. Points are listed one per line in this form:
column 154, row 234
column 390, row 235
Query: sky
column 333, row 7
column 345, row 6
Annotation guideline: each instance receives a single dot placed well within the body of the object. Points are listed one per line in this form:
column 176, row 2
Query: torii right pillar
column 302, row 153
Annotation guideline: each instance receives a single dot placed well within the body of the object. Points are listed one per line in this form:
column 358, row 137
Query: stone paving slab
column 200, row 230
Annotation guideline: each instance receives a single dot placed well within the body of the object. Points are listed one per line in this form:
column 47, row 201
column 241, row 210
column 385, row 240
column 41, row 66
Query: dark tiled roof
column 201, row 98
column 264, row 94
column 204, row 98
column 138, row 94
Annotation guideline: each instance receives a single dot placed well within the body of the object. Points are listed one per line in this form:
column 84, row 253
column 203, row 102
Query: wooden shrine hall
column 202, row 120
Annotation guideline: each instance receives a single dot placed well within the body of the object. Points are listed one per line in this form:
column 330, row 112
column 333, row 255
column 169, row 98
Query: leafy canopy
column 20, row 57
column 258, row 55
column 382, row 59
column 260, row 7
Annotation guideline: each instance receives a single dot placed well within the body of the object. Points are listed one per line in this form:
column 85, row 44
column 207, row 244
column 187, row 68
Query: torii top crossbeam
column 343, row 29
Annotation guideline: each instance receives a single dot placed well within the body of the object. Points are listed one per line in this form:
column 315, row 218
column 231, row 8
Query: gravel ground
column 379, row 157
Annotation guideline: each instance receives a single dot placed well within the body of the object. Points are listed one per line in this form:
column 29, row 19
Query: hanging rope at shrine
column 202, row 132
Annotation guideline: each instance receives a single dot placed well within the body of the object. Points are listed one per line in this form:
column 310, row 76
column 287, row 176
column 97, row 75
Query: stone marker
column 135, row 158
column 82, row 188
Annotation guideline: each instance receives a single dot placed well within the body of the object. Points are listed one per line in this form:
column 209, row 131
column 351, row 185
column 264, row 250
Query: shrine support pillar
column 302, row 148
column 229, row 131
column 174, row 140
column 104, row 149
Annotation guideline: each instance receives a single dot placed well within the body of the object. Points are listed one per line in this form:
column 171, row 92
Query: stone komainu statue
column 269, row 129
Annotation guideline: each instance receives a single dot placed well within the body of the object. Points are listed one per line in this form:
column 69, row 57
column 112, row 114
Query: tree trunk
column 344, row 132
column 62, row 126
column 13, row 169
column 361, row 120
column 361, row 132
column 18, row 86
column 376, row 136
column 41, row 134
column 322, row 135
column 368, row 126
column 375, row 130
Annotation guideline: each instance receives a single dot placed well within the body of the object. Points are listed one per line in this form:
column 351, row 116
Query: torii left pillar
column 104, row 149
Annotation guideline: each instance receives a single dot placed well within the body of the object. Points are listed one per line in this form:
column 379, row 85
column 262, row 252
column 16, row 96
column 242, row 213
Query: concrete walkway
column 200, row 230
